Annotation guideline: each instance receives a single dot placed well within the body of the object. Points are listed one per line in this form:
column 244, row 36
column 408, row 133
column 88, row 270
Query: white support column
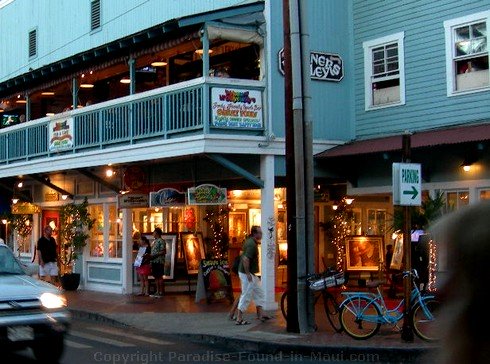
column 474, row 195
column 127, row 251
column 268, row 222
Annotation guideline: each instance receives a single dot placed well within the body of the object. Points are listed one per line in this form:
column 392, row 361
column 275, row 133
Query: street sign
column 407, row 184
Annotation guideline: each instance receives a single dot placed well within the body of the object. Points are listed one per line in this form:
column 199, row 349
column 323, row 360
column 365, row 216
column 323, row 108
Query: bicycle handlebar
column 412, row 273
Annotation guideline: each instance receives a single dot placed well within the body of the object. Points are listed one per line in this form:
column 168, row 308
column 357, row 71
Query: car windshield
column 8, row 263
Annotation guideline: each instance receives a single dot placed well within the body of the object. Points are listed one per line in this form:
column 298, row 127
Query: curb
column 94, row 316
column 299, row 352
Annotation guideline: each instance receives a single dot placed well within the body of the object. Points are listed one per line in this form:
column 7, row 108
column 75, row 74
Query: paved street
column 96, row 342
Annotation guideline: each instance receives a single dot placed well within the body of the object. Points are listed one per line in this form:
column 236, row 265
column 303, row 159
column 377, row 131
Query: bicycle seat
column 374, row 284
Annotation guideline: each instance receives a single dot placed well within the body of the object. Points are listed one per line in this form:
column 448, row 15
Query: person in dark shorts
column 157, row 258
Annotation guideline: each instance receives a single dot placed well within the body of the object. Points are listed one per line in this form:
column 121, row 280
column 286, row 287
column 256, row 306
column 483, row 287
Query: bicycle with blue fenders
column 363, row 313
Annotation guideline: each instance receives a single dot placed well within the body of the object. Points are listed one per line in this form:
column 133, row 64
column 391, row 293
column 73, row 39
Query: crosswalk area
column 92, row 336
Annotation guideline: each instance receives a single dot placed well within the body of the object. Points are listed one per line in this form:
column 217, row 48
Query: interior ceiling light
column 64, row 197
column 159, row 64
column 20, row 101
column 2, row 110
column 86, row 85
column 109, row 172
column 125, row 80
column 47, row 93
column 201, row 51
column 50, row 114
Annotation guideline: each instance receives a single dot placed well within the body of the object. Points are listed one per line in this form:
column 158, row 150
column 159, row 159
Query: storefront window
column 376, row 222
column 97, row 233
column 355, row 223
column 24, row 245
column 485, row 195
column 456, row 199
column 115, row 232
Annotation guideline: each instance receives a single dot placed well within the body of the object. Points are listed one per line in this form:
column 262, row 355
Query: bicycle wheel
column 332, row 310
column 359, row 317
column 284, row 304
column 424, row 319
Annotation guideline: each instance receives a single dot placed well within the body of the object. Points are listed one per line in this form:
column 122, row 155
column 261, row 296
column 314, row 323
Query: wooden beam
column 99, row 180
column 48, row 183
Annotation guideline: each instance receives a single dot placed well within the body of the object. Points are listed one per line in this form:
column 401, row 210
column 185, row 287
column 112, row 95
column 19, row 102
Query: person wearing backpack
column 247, row 270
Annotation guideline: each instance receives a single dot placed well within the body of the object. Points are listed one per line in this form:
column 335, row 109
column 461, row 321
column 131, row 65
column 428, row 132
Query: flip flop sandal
column 242, row 322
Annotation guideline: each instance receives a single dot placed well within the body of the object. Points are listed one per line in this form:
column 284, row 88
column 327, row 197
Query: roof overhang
column 425, row 139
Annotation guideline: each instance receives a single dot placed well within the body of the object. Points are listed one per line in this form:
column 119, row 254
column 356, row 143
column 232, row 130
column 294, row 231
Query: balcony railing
column 168, row 112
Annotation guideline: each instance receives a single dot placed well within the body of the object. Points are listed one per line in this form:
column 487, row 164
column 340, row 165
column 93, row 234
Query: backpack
column 236, row 264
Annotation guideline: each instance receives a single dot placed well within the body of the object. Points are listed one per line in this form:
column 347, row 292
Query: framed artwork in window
column 363, row 253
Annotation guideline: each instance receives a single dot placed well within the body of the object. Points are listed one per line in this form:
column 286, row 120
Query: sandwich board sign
column 407, row 184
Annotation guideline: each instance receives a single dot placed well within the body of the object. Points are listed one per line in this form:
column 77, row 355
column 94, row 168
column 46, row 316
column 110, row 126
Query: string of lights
column 432, row 265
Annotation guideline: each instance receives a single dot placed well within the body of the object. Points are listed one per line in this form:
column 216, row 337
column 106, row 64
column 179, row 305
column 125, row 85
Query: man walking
column 47, row 256
column 251, row 286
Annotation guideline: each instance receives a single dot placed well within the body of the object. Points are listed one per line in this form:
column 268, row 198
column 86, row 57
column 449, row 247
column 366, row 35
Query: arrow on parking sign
column 413, row 192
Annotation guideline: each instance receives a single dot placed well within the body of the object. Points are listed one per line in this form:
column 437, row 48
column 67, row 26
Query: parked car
column 33, row 313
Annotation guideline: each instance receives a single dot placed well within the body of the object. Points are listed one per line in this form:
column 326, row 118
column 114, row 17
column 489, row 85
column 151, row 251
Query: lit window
column 467, row 53
column 384, row 71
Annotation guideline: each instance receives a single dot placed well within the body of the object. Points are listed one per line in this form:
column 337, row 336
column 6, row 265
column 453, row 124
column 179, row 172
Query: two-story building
column 127, row 103
column 420, row 68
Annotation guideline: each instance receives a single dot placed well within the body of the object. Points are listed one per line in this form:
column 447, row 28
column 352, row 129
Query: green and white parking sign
column 407, row 184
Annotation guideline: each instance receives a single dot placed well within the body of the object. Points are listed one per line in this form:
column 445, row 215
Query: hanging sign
column 326, row 67
column 167, row 197
column 25, row 208
column 323, row 66
column 132, row 200
column 407, row 184
column 236, row 108
column 60, row 134
column 207, row 194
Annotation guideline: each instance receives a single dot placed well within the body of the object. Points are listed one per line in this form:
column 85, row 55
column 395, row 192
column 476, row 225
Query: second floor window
column 467, row 53
column 384, row 71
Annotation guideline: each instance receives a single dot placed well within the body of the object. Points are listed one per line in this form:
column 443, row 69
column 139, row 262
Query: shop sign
column 207, row 194
column 25, row 208
column 323, row 66
column 132, row 200
column 407, row 184
column 217, row 279
column 51, row 197
column 167, row 197
column 236, row 108
column 326, row 67
column 60, row 134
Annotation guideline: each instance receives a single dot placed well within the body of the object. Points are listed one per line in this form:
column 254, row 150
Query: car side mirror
column 31, row 269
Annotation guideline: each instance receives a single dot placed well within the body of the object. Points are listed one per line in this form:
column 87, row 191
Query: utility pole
column 407, row 329
column 292, row 298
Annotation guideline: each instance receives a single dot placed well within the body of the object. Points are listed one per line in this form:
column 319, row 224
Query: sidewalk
column 178, row 314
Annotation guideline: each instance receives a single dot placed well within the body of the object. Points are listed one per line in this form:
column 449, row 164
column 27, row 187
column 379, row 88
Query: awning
column 437, row 137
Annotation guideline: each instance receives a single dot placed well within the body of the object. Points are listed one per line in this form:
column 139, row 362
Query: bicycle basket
column 325, row 282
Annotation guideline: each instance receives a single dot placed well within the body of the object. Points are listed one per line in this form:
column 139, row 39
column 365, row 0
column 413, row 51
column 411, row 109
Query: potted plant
column 75, row 224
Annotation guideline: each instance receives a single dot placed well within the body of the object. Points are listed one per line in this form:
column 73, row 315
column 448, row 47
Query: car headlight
column 51, row 300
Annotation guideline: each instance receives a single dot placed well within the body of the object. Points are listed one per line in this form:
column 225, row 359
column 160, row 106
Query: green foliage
column 422, row 216
column 75, row 225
